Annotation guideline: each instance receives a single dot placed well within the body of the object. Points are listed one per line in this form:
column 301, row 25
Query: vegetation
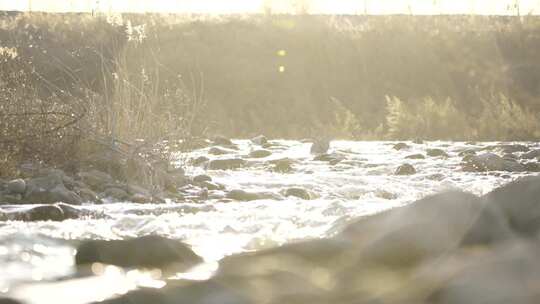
column 67, row 78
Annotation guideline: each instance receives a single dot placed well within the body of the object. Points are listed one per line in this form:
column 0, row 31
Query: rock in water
column 16, row 186
column 320, row 146
column 260, row 153
column 491, row 162
column 405, row 169
column 401, row 146
column 226, row 164
column 298, row 192
column 259, row 140
column 223, row 141
column 415, row 156
column 436, row 153
column 147, row 251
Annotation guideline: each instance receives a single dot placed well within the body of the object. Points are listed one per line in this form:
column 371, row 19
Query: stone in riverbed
column 55, row 213
column 38, row 195
column 400, row 146
column 16, row 186
column 222, row 141
column 202, row 178
column 405, row 169
column 260, row 153
column 95, row 179
column 415, row 156
column 320, row 146
column 490, row 162
column 436, row 153
column 148, row 251
column 200, row 160
column 245, row 196
column 531, row 155
column 219, row 151
column 116, row 194
column 226, row 164
column 282, row 165
column 259, row 140
column 299, row 193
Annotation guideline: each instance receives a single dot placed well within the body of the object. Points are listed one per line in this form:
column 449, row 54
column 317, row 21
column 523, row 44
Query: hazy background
column 499, row 7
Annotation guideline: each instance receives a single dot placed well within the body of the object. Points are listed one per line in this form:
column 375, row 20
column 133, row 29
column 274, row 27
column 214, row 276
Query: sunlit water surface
column 362, row 184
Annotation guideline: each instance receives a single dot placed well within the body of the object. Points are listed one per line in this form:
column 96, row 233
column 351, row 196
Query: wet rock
column 491, row 162
column 205, row 292
column 467, row 152
column 512, row 148
column 518, row 202
column 386, row 195
column 245, row 196
column 200, row 160
column 320, row 146
column 42, row 213
column 219, row 151
column 88, row 195
column 8, row 301
column 222, row 141
column 531, row 155
column 147, row 251
column 332, row 158
column 10, row 198
column 116, row 194
column 16, row 186
column 139, row 198
column 226, row 164
column 38, row 195
column 399, row 237
column 510, row 157
column 282, row 165
column 405, row 169
column 260, row 153
column 259, row 140
column 211, row 186
column 436, row 153
column 532, row 167
column 415, row 156
column 299, row 193
column 202, row 178
column 401, row 146
column 418, row 141
column 95, row 179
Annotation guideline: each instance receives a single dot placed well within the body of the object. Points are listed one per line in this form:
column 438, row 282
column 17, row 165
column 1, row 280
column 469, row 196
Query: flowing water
column 363, row 183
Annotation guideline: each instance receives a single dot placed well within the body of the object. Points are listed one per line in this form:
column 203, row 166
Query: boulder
column 88, row 195
column 320, row 146
column 259, row 140
column 16, row 186
column 415, row 156
column 202, row 178
column 405, row 169
column 219, row 151
column 226, row 164
column 332, row 158
column 260, row 153
column 512, row 148
column 491, row 162
column 211, row 186
column 139, row 198
column 282, row 165
column 299, row 193
column 222, row 141
column 39, row 195
column 95, row 179
column 245, row 196
column 10, row 198
column 116, row 194
column 148, row 251
column 467, row 152
column 531, row 155
column 200, row 160
column 55, row 212
column 436, row 153
column 401, row 146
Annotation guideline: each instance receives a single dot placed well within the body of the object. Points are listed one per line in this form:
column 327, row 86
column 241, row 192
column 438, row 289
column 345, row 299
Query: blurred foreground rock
column 451, row 247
